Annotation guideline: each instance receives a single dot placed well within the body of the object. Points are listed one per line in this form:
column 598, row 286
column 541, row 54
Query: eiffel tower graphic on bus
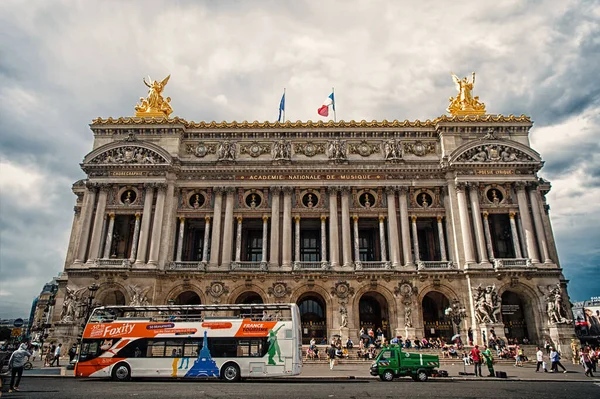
column 204, row 365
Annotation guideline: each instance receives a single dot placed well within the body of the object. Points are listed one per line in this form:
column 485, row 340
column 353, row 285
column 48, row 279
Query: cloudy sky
column 63, row 63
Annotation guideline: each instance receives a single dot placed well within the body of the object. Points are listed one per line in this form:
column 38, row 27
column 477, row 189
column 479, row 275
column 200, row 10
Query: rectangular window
column 254, row 245
column 156, row 348
column 174, row 348
column 310, row 246
column 366, row 245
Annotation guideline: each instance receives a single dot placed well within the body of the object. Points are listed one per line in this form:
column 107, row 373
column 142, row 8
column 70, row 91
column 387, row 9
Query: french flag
column 324, row 109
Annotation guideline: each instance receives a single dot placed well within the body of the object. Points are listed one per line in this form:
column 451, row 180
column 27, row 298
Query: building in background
column 414, row 227
column 41, row 319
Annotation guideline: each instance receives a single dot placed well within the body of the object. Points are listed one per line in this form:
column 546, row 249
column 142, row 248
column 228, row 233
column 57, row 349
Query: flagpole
column 284, row 101
column 334, row 114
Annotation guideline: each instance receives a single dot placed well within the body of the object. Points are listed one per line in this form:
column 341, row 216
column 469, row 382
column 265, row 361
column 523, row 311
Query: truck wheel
column 387, row 376
column 422, row 376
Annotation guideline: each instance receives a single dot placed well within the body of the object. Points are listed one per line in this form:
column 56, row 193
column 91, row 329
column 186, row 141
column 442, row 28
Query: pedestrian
column 547, row 346
column 540, row 360
column 470, row 335
column 35, row 353
column 50, row 355
column 72, row 352
column 519, row 357
column 57, row 356
column 586, row 362
column 489, row 360
column 331, row 354
column 16, row 363
column 476, row 356
column 555, row 359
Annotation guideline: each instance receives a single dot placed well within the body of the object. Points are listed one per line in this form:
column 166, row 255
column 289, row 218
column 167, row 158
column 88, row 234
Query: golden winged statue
column 464, row 103
column 154, row 105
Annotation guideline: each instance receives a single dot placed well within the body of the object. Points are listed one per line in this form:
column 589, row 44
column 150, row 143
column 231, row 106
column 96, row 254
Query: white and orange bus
column 190, row 341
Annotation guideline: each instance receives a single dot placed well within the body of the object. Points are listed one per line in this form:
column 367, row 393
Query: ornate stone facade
column 363, row 224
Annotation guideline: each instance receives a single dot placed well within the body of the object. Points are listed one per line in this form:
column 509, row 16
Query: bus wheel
column 121, row 372
column 230, row 372
column 387, row 376
column 422, row 376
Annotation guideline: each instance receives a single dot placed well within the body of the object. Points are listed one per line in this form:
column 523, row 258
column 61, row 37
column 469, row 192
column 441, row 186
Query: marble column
column 297, row 238
column 527, row 224
column 476, row 212
column 145, row 228
column 87, row 211
column 206, row 238
column 415, row 239
column 334, row 247
column 323, row 239
column 382, row 242
column 159, row 210
column 346, row 235
column 393, row 236
column 404, row 226
column 238, row 240
column 539, row 225
column 263, row 255
column 356, row 240
column 103, row 235
column 286, row 245
column 515, row 235
column 109, row 235
column 440, row 228
column 97, row 227
column 274, row 243
column 136, row 236
column 465, row 225
column 488, row 235
column 228, row 228
column 180, row 239
column 215, row 239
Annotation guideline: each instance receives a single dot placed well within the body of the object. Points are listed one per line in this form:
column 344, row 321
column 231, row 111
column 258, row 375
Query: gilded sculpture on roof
column 464, row 103
column 154, row 105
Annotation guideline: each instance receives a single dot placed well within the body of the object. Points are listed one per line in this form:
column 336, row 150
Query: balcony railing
column 104, row 262
column 187, row 265
column 318, row 265
column 372, row 265
column 512, row 262
column 434, row 265
column 246, row 265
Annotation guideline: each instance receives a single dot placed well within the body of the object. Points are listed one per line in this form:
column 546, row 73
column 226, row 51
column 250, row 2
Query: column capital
column 297, row 218
column 207, row 219
column 355, row 218
column 181, row 219
column 391, row 190
column 332, row 190
column 381, row 218
column 287, row 190
column 275, row 189
column 413, row 218
column 138, row 216
column 460, row 187
column 239, row 219
column 219, row 190
column 485, row 214
column 111, row 215
column 230, row 190
column 161, row 186
column 520, row 185
column 323, row 218
column 511, row 215
column 104, row 186
column 345, row 190
column 402, row 189
column 265, row 218
column 439, row 219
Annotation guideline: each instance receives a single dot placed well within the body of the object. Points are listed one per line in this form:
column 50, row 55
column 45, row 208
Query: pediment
column 494, row 151
column 128, row 153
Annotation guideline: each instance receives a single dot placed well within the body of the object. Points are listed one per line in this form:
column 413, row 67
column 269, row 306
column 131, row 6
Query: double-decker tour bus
column 190, row 341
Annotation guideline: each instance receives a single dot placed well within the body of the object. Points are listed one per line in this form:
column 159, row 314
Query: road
column 48, row 388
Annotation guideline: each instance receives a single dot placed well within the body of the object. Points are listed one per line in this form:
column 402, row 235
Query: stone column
column 404, row 226
column 180, row 238
column 97, row 228
column 297, row 238
column 228, row 228
column 286, row 245
column 356, row 241
column 159, row 210
column 539, row 225
column 323, row 239
column 263, row 255
column 136, row 236
column 215, row 240
column 488, row 235
column 145, row 228
column 515, row 235
column 103, row 235
column 393, row 227
column 238, row 240
column 440, row 228
column 527, row 225
column 465, row 225
column 206, row 238
column 346, row 237
column 109, row 235
column 415, row 238
column 333, row 227
column 87, row 211
column 476, row 212
column 382, row 239
column 274, row 244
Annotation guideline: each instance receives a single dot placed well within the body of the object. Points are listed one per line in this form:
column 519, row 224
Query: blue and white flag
column 281, row 107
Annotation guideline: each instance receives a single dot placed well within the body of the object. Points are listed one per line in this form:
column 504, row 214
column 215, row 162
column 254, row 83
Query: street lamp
column 456, row 312
column 92, row 289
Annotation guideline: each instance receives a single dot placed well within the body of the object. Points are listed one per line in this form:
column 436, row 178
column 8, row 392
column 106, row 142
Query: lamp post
column 92, row 294
column 456, row 312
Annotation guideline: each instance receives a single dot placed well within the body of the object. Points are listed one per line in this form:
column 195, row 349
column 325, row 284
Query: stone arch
column 99, row 155
column 534, row 310
column 112, row 294
column 464, row 153
column 393, row 310
column 239, row 291
column 180, row 289
column 316, row 294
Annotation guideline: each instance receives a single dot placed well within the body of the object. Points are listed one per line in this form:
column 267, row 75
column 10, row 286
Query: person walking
column 489, row 360
column 555, row 359
column 540, row 360
column 16, row 363
column 331, row 354
column 586, row 362
column 476, row 356
column 72, row 352
column 57, row 356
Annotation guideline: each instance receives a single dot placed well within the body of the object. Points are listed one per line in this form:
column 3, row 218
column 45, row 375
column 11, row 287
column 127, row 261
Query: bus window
column 223, row 347
column 156, row 348
column 174, row 348
column 90, row 349
column 137, row 348
column 191, row 348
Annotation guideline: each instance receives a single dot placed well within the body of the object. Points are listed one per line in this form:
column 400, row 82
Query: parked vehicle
column 393, row 362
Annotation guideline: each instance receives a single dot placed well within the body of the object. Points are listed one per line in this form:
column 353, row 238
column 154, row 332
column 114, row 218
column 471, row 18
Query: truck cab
column 393, row 362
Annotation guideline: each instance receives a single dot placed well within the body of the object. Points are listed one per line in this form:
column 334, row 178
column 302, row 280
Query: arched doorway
column 513, row 316
column 313, row 317
column 434, row 319
column 113, row 298
column 249, row 297
column 187, row 298
column 373, row 313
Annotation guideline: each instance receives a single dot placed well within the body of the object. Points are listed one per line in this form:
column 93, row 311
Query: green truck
column 392, row 362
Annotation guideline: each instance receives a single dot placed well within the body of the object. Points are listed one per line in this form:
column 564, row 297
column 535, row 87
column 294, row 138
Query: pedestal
column 407, row 332
column 66, row 334
column 487, row 327
column 344, row 333
column 561, row 336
